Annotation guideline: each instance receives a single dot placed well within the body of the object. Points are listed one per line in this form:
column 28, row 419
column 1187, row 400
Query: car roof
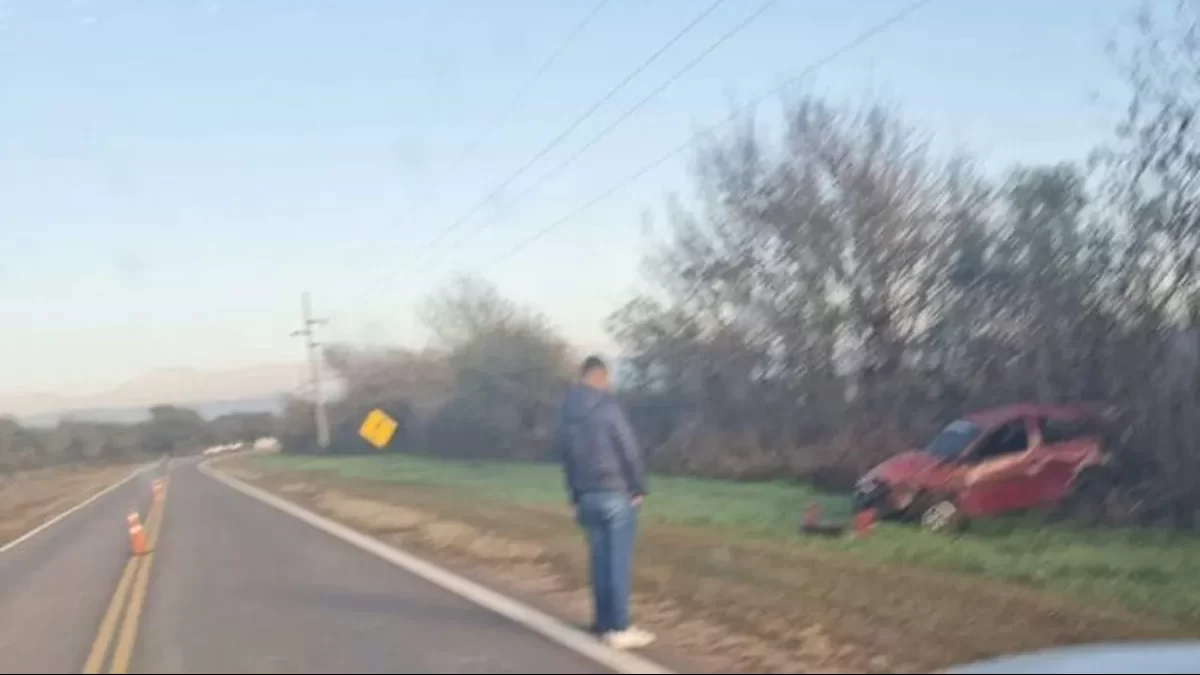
column 995, row 416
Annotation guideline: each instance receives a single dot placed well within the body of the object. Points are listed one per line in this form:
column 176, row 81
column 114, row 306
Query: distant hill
column 31, row 402
column 237, row 389
column 131, row 415
column 188, row 385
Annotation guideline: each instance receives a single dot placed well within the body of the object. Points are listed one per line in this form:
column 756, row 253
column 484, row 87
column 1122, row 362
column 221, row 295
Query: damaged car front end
column 987, row 463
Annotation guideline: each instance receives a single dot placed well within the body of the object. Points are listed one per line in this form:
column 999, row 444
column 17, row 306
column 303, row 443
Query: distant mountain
column 20, row 403
column 131, row 415
column 179, row 386
column 188, row 385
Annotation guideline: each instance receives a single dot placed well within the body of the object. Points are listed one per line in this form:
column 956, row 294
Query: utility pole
column 308, row 323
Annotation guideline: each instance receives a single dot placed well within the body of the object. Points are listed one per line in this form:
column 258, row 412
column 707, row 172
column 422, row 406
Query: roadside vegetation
column 730, row 586
column 836, row 287
column 1146, row 570
column 833, row 289
column 30, row 498
column 45, row 471
column 170, row 430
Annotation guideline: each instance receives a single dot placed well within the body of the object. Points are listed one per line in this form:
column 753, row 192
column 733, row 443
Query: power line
column 861, row 38
column 691, row 25
column 688, row 67
column 886, row 24
column 858, row 40
column 483, row 132
column 537, row 76
column 662, row 49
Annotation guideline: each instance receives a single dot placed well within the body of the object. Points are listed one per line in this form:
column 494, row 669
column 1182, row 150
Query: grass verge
column 31, row 498
column 722, row 560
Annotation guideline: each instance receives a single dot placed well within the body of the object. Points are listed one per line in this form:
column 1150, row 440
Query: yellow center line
column 123, row 652
column 132, row 587
column 108, row 626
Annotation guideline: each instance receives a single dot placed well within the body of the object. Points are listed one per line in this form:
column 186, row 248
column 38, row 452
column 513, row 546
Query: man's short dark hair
column 592, row 363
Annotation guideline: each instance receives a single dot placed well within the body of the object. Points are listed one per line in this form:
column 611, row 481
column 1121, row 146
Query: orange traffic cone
column 813, row 524
column 137, row 535
column 864, row 522
column 156, row 489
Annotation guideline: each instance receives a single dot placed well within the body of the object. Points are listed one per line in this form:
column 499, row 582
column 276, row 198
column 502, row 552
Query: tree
column 170, row 430
column 803, row 278
column 173, row 430
column 487, row 388
column 1154, row 162
column 507, row 365
column 242, row 427
column 1152, row 169
column 19, row 447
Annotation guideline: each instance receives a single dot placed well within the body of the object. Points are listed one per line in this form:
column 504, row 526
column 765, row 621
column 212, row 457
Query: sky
column 175, row 173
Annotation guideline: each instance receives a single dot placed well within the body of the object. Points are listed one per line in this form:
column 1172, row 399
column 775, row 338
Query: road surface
column 233, row 585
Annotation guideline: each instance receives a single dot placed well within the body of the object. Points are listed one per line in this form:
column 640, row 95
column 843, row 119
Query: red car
column 992, row 462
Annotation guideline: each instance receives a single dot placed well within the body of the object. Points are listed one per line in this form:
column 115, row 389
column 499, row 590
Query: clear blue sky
column 173, row 173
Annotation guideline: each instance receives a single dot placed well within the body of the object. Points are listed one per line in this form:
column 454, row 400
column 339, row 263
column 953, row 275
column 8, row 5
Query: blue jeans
column 610, row 521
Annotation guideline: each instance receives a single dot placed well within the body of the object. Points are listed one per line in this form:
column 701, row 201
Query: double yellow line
column 130, row 596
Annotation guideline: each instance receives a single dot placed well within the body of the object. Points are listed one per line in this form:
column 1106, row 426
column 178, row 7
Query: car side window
column 1007, row 439
column 1063, row 430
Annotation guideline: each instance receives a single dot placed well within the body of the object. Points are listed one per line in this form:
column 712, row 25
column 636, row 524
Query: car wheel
column 943, row 515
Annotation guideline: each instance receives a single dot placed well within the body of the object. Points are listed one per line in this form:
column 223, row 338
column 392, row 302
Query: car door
column 998, row 476
column 1066, row 445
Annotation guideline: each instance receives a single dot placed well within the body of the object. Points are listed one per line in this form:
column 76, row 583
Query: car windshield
column 952, row 440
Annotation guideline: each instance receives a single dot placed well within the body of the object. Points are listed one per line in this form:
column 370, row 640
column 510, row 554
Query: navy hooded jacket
column 597, row 445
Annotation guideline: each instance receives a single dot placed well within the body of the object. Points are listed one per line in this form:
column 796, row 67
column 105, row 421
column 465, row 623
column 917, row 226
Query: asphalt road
column 236, row 586
column 55, row 587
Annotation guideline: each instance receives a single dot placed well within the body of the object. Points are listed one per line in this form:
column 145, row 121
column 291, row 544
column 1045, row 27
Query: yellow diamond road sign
column 378, row 428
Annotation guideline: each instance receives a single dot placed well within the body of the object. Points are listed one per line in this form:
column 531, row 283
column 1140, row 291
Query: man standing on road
column 605, row 475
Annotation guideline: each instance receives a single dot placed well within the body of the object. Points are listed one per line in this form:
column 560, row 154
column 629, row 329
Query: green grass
column 763, row 507
column 1147, row 570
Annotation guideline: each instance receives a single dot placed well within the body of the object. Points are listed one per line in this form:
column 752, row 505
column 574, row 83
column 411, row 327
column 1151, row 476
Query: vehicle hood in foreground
column 1099, row 659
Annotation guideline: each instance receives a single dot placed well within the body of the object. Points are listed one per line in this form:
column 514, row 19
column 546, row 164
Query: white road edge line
column 35, row 531
column 539, row 622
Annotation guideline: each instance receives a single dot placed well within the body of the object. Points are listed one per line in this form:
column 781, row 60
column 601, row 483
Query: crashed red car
column 992, row 462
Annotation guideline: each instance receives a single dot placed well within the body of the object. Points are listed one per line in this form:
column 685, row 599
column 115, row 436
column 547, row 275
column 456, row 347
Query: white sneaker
column 630, row 638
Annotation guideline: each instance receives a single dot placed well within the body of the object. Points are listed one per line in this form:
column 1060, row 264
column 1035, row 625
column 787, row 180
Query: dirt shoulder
column 719, row 602
column 31, row 498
